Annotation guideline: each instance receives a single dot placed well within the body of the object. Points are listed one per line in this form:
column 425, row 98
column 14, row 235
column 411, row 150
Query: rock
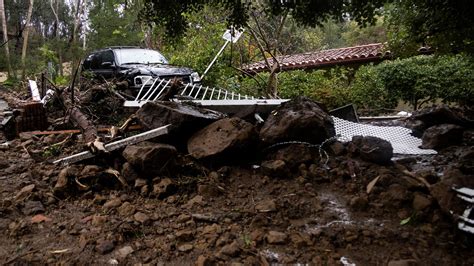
column 104, row 246
column 300, row 119
column 409, row 262
column 129, row 173
column 182, row 218
column 185, row 119
column 337, row 148
column 231, row 250
column 203, row 261
column 208, row 191
column 441, row 114
column 421, row 202
column 185, row 247
column 140, row 182
column 184, row 235
column 294, row 154
column 62, row 184
column 40, row 218
column 150, row 158
column 359, row 203
column 141, row 217
column 196, row 200
column 164, row 188
column 33, row 207
column 442, row 136
column 99, row 220
column 225, row 139
column 25, row 192
column 275, row 168
column 124, row 252
column 113, row 203
column 442, row 191
column 266, row 206
column 126, row 209
column 275, row 237
column 373, row 149
column 90, row 171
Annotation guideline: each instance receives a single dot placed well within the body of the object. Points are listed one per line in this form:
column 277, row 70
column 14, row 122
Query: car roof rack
column 124, row 47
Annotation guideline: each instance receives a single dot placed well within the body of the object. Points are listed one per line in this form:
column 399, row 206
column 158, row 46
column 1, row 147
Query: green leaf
column 405, row 221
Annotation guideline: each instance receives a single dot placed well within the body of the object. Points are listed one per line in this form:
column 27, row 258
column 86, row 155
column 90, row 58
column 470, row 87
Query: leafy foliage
column 446, row 26
column 172, row 14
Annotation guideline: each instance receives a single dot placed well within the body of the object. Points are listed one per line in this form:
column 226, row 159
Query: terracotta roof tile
column 339, row 56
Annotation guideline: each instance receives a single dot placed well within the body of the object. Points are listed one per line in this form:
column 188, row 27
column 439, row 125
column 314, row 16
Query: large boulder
column 442, row 136
column 373, row 149
column 300, row 119
column 440, row 114
column 149, row 157
column 185, row 119
column 226, row 138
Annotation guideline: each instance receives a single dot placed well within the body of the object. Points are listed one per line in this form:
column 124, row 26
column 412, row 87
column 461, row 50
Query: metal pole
column 215, row 58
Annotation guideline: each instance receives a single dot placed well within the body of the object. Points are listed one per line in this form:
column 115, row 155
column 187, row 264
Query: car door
column 103, row 64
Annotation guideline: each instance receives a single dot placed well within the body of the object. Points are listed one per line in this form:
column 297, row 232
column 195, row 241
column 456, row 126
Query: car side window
column 95, row 61
column 107, row 57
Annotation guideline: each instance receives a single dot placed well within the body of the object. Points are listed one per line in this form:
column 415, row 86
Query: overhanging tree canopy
column 172, row 15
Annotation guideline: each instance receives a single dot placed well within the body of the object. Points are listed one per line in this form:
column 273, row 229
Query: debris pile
column 189, row 185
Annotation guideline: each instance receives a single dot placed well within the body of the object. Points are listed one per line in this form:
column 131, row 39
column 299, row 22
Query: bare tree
column 26, row 32
column 5, row 36
column 56, row 34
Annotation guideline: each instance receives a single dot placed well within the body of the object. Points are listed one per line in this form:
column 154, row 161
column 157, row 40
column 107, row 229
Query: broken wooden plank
column 115, row 145
column 77, row 131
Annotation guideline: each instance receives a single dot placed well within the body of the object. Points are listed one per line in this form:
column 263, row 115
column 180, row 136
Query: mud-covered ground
column 227, row 214
column 284, row 205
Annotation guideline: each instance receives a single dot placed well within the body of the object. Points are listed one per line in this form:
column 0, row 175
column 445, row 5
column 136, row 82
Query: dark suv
column 136, row 65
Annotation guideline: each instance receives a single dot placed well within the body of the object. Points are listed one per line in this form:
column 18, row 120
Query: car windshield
column 140, row 56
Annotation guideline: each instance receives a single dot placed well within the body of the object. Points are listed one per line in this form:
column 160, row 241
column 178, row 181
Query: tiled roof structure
column 340, row 56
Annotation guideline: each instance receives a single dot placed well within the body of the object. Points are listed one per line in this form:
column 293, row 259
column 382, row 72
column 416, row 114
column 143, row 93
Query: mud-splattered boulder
column 149, row 157
column 226, row 138
column 185, row 119
column 442, row 136
column 373, row 149
column 300, row 119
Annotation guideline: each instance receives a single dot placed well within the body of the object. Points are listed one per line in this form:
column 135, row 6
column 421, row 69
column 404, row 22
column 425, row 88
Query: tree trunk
column 56, row 35
column 5, row 36
column 26, row 32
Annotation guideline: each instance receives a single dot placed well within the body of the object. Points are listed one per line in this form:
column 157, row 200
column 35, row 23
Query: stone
column 275, row 168
column 208, row 191
column 113, row 203
column 294, row 154
column 129, row 173
column 184, row 235
column 164, row 188
column 140, row 182
column 185, row 247
column 441, row 114
column 126, row 209
column 409, row 262
column 337, row 148
column 421, row 202
column 149, row 157
column 231, row 250
column 275, row 237
column 373, row 149
column 33, row 207
column 185, row 119
column 141, row 217
column 442, row 136
column 124, row 252
column 226, row 139
column 300, row 119
column 203, row 261
column 182, row 218
column 104, row 246
column 64, row 177
column 25, row 192
column 359, row 203
column 99, row 220
column 90, row 171
column 266, row 206
column 444, row 195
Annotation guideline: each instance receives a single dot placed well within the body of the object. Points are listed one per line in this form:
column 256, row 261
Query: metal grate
column 401, row 139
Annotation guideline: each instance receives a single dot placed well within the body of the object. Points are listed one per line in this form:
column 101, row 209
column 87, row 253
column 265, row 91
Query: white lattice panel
column 401, row 139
